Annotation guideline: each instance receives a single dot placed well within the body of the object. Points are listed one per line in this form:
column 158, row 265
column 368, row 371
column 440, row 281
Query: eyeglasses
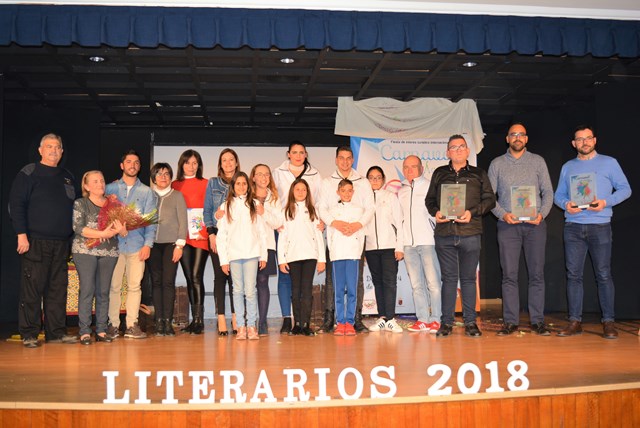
column 262, row 175
column 163, row 174
column 583, row 139
column 456, row 148
column 375, row 178
column 517, row 134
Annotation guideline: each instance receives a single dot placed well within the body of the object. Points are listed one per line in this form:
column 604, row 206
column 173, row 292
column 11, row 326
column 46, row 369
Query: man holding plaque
column 525, row 197
column 589, row 187
column 458, row 196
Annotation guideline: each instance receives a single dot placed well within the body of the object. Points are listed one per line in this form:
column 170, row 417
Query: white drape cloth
column 416, row 119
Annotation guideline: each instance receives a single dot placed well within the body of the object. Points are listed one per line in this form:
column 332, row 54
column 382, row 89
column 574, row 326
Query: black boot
column 168, row 328
column 160, row 327
column 286, row 325
column 359, row 326
column 198, row 323
column 189, row 327
column 327, row 322
column 296, row 330
column 263, row 329
column 307, row 331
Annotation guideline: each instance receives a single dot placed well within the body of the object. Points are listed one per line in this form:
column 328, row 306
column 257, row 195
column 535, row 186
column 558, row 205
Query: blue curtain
column 289, row 29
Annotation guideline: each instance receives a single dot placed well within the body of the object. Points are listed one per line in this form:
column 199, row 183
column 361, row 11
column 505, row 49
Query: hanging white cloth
column 416, row 119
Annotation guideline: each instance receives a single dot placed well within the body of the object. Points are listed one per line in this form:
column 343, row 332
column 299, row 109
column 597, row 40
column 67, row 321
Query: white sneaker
column 379, row 325
column 393, row 326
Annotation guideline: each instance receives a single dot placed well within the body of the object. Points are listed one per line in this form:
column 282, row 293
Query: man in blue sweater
column 589, row 228
column 41, row 208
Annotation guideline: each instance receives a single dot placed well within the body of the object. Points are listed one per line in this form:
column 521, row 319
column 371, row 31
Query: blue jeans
column 424, row 275
column 512, row 239
column 94, row 273
column 243, row 274
column 595, row 238
column 458, row 256
column 345, row 280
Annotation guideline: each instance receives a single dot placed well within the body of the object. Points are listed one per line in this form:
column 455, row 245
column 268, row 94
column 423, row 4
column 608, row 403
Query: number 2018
column 517, row 380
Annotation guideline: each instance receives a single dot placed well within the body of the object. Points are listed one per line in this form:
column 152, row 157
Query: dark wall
column 613, row 114
column 25, row 124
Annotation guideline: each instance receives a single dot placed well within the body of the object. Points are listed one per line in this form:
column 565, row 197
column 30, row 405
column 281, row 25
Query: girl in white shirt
column 242, row 248
column 383, row 249
column 301, row 252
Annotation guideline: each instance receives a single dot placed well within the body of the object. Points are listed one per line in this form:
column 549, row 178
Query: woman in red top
column 193, row 187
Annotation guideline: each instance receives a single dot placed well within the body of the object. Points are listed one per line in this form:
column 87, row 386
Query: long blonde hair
column 85, row 180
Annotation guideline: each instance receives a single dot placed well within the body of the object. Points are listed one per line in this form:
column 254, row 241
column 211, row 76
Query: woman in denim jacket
column 217, row 191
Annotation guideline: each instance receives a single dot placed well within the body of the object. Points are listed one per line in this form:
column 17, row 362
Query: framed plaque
column 583, row 189
column 523, row 202
column 195, row 221
column 452, row 200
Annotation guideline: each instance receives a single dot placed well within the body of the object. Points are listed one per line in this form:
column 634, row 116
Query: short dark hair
column 344, row 149
column 345, row 182
column 127, row 153
column 456, row 137
column 583, row 127
column 159, row 167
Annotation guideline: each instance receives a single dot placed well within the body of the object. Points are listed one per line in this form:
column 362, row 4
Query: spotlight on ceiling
column 470, row 64
column 96, row 59
column 287, row 60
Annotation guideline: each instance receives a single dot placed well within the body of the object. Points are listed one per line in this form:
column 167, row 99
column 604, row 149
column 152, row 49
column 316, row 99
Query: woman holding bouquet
column 168, row 247
column 193, row 187
column 95, row 254
column 216, row 195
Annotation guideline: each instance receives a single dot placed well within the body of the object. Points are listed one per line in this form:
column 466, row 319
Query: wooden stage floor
column 398, row 367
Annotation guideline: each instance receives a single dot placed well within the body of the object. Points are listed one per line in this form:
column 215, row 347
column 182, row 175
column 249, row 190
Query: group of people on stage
column 270, row 222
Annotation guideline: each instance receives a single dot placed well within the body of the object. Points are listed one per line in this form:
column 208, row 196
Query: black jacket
column 479, row 198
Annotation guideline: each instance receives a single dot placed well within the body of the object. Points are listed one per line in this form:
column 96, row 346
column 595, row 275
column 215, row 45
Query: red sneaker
column 349, row 330
column 339, row 331
column 434, row 327
column 419, row 326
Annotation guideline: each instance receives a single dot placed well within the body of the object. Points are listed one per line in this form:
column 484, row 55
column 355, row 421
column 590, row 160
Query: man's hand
column 23, row 243
column 572, row 209
column 144, row 253
column 399, row 255
column 440, row 218
column 284, row 268
column 225, row 269
column 321, row 266
column 536, row 221
column 597, row 205
column 464, row 218
column 510, row 219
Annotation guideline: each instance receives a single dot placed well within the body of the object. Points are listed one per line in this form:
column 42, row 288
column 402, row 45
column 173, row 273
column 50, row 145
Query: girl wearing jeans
column 242, row 247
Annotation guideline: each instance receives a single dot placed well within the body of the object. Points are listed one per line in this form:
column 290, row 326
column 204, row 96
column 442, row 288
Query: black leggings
column 302, row 272
column 163, row 277
column 220, row 279
column 193, row 262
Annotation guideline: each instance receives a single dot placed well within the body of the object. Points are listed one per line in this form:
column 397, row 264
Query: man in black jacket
column 41, row 208
column 458, row 239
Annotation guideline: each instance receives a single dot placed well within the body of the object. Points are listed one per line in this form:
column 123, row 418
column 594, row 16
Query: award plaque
column 195, row 222
column 452, row 200
column 583, row 190
column 523, row 202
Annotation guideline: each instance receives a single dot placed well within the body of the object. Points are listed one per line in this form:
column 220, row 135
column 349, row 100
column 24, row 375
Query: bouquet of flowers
column 113, row 210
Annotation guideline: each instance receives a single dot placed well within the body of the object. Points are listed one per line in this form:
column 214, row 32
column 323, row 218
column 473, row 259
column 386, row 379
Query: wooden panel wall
column 594, row 409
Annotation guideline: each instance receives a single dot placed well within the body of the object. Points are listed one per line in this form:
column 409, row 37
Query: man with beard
column 520, row 167
column 589, row 229
column 134, row 247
